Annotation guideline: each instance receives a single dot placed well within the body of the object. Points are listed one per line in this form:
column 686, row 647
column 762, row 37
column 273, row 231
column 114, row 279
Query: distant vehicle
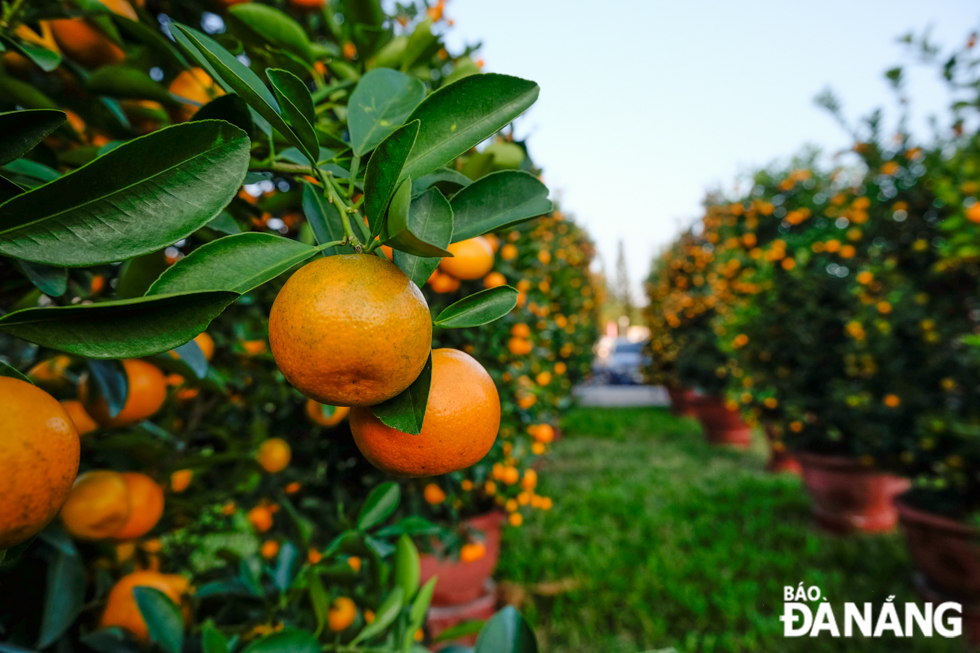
column 620, row 361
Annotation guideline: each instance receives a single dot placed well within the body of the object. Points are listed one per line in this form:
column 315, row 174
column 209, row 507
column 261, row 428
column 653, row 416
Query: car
column 620, row 361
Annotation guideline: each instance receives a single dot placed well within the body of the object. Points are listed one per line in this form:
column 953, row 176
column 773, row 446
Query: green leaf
column 235, row 75
column 230, row 108
column 324, row 218
column 479, row 308
column 406, row 412
column 446, row 179
column 296, row 104
column 30, row 174
column 122, row 81
column 383, row 173
column 111, row 382
column 291, row 640
column 25, row 94
column 263, row 25
column 162, row 616
column 498, row 201
column 418, row 42
column 50, row 280
column 459, row 630
column 126, row 328
column 385, row 616
column 20, row 131
column 286, row 565
column 464, row 113
column 47, row 60
column 408, row 224
column 407, row 569
column 379, row 105
column 191, row 354
column 212, row 639
column 64, row 597
column 138, row 274
column 138, row 198
column 413, row 525
column 13, row 372
column 507, row 632
column 421, row 604
column 150, row 35
column 462, row 67
column 431, row 219
column 236, row 263
column 319, row 599
column 381, row 502
column 8, row 189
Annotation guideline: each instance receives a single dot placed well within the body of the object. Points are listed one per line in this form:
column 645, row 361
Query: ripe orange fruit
column 350, row 330
column 542, row 433
column 121, row 610
column 494, row 242
column 97, row 506
column 206, row 343
column 315, row 413
column 355, row 563
column 443, row 283
column 494, row 279
column 269, row 549
column 273, row 455
column 472, row 552
column 83, row 422
column 147, row 392
column 39, row 452
column 145, row 503
column 307, row 5
column 472, row 259
column 51, row 371
column 261, row 518
column 254, row 347
column 82, row 42
column 181, row 479
column 195, row 85
column 508, row 252
column 520, row 330
column 342, row 614
column 434, row 494
column 460, row 425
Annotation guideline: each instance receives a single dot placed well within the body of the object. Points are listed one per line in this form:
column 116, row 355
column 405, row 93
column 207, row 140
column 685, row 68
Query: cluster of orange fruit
column 472, row 259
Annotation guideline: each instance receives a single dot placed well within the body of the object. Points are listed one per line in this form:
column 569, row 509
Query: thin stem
column 355, row 166
column 334, row 196
column 11, row 13
column 291, row 168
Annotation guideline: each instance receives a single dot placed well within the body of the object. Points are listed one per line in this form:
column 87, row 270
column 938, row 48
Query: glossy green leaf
column 507, row 632
column 286, row 565
column 407, row 569
column 151, row 36
column 418, row 42
column 64, row 597
column 236, row 263
column 52, row 281
column 498, row 201
column 413, row 525
column 138, row 198
column 138, row 274
column 30, row 174
column 296, row 104
column 459, row 630
column 122, row 81
column 111, row 383
column 127, row 328
column 383, row 173
column 460, row 115
column 319, row 599
column 13, row 372
column 421, row 604
column 381, row 502
column 479, row 308
column 385, row 615
column 24, row 94
column 20, row 131
column 324, row 218
column 212, row 639
column 230, row 108
column 411, row 222
column 162, row 616
column 406, row 411
column 379, row 105
column 8, row 189
column 291, row 640
column 191, row 354
column 267, row 26
column 447, row 180
column 431, row 219
column 47, row 60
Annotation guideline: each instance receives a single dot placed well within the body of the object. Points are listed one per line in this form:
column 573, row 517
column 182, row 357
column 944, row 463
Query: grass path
column 659, row 540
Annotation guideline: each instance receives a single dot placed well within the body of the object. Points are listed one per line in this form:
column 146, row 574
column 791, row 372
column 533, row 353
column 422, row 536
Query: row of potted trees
column 835, row 308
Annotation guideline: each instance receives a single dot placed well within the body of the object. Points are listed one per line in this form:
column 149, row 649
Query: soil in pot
column 461, row 582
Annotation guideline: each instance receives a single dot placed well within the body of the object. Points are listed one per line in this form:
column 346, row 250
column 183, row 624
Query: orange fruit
column 472, row 552
column 508, row 252
column 261, row 518
column 82, row 42
column 254, row 347
column 494, row 242
column 434, row 494
column 51, row 371
column 181, row 480
column 494, row 279
column 206, row 343
column 39, row 451
column 121, row 610
column 530, row 480
column 273, row 455
column 355, row 563
column 471, row 259
column 307, row 5
column 145, row 504
column 195, row 85
column 147, row 392
column 315, row 413
column 443, row 283
column 97, row 506
column 269, row 549
column 83, row 422
column 460, row 424
column 520, row 330
column 543, row 433
column 342, row 614
column 350, row 330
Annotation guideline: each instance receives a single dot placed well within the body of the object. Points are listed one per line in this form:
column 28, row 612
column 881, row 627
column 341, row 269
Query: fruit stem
column 334, row 196
column 355, row 165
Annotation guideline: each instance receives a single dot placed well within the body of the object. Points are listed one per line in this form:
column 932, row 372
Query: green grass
column 676, row 543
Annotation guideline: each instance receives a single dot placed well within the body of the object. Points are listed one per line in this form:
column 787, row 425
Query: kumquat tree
column 214, row 348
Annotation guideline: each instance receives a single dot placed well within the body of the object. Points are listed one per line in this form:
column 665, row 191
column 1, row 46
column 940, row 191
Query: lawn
column 659, row 540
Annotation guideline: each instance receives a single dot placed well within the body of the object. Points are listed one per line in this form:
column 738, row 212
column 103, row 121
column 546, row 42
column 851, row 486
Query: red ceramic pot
column 682, row 401
column 946, row 551
column 847, row 496
column 461, row 582
column 780, row 460
column 721, row 424
column 440, row 618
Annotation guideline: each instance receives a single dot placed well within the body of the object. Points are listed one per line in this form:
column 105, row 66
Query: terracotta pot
column 780, row 459
column 947, row 552
column 721, row 424
column 682, row 402
column 461, row 582
column 847, row 496
column 440, row 618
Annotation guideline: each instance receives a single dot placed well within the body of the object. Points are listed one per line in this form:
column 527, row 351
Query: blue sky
column 647, row 104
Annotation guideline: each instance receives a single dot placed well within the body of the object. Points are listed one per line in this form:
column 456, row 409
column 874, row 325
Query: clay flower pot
column 780, row 459
column 847, row 496
column 461, row 582
column 721, row 424
column 945, row 551
column 682, row 401
column 440, row 618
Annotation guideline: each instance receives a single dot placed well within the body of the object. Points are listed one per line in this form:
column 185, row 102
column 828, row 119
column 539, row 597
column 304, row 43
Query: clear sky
column 645, row 104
